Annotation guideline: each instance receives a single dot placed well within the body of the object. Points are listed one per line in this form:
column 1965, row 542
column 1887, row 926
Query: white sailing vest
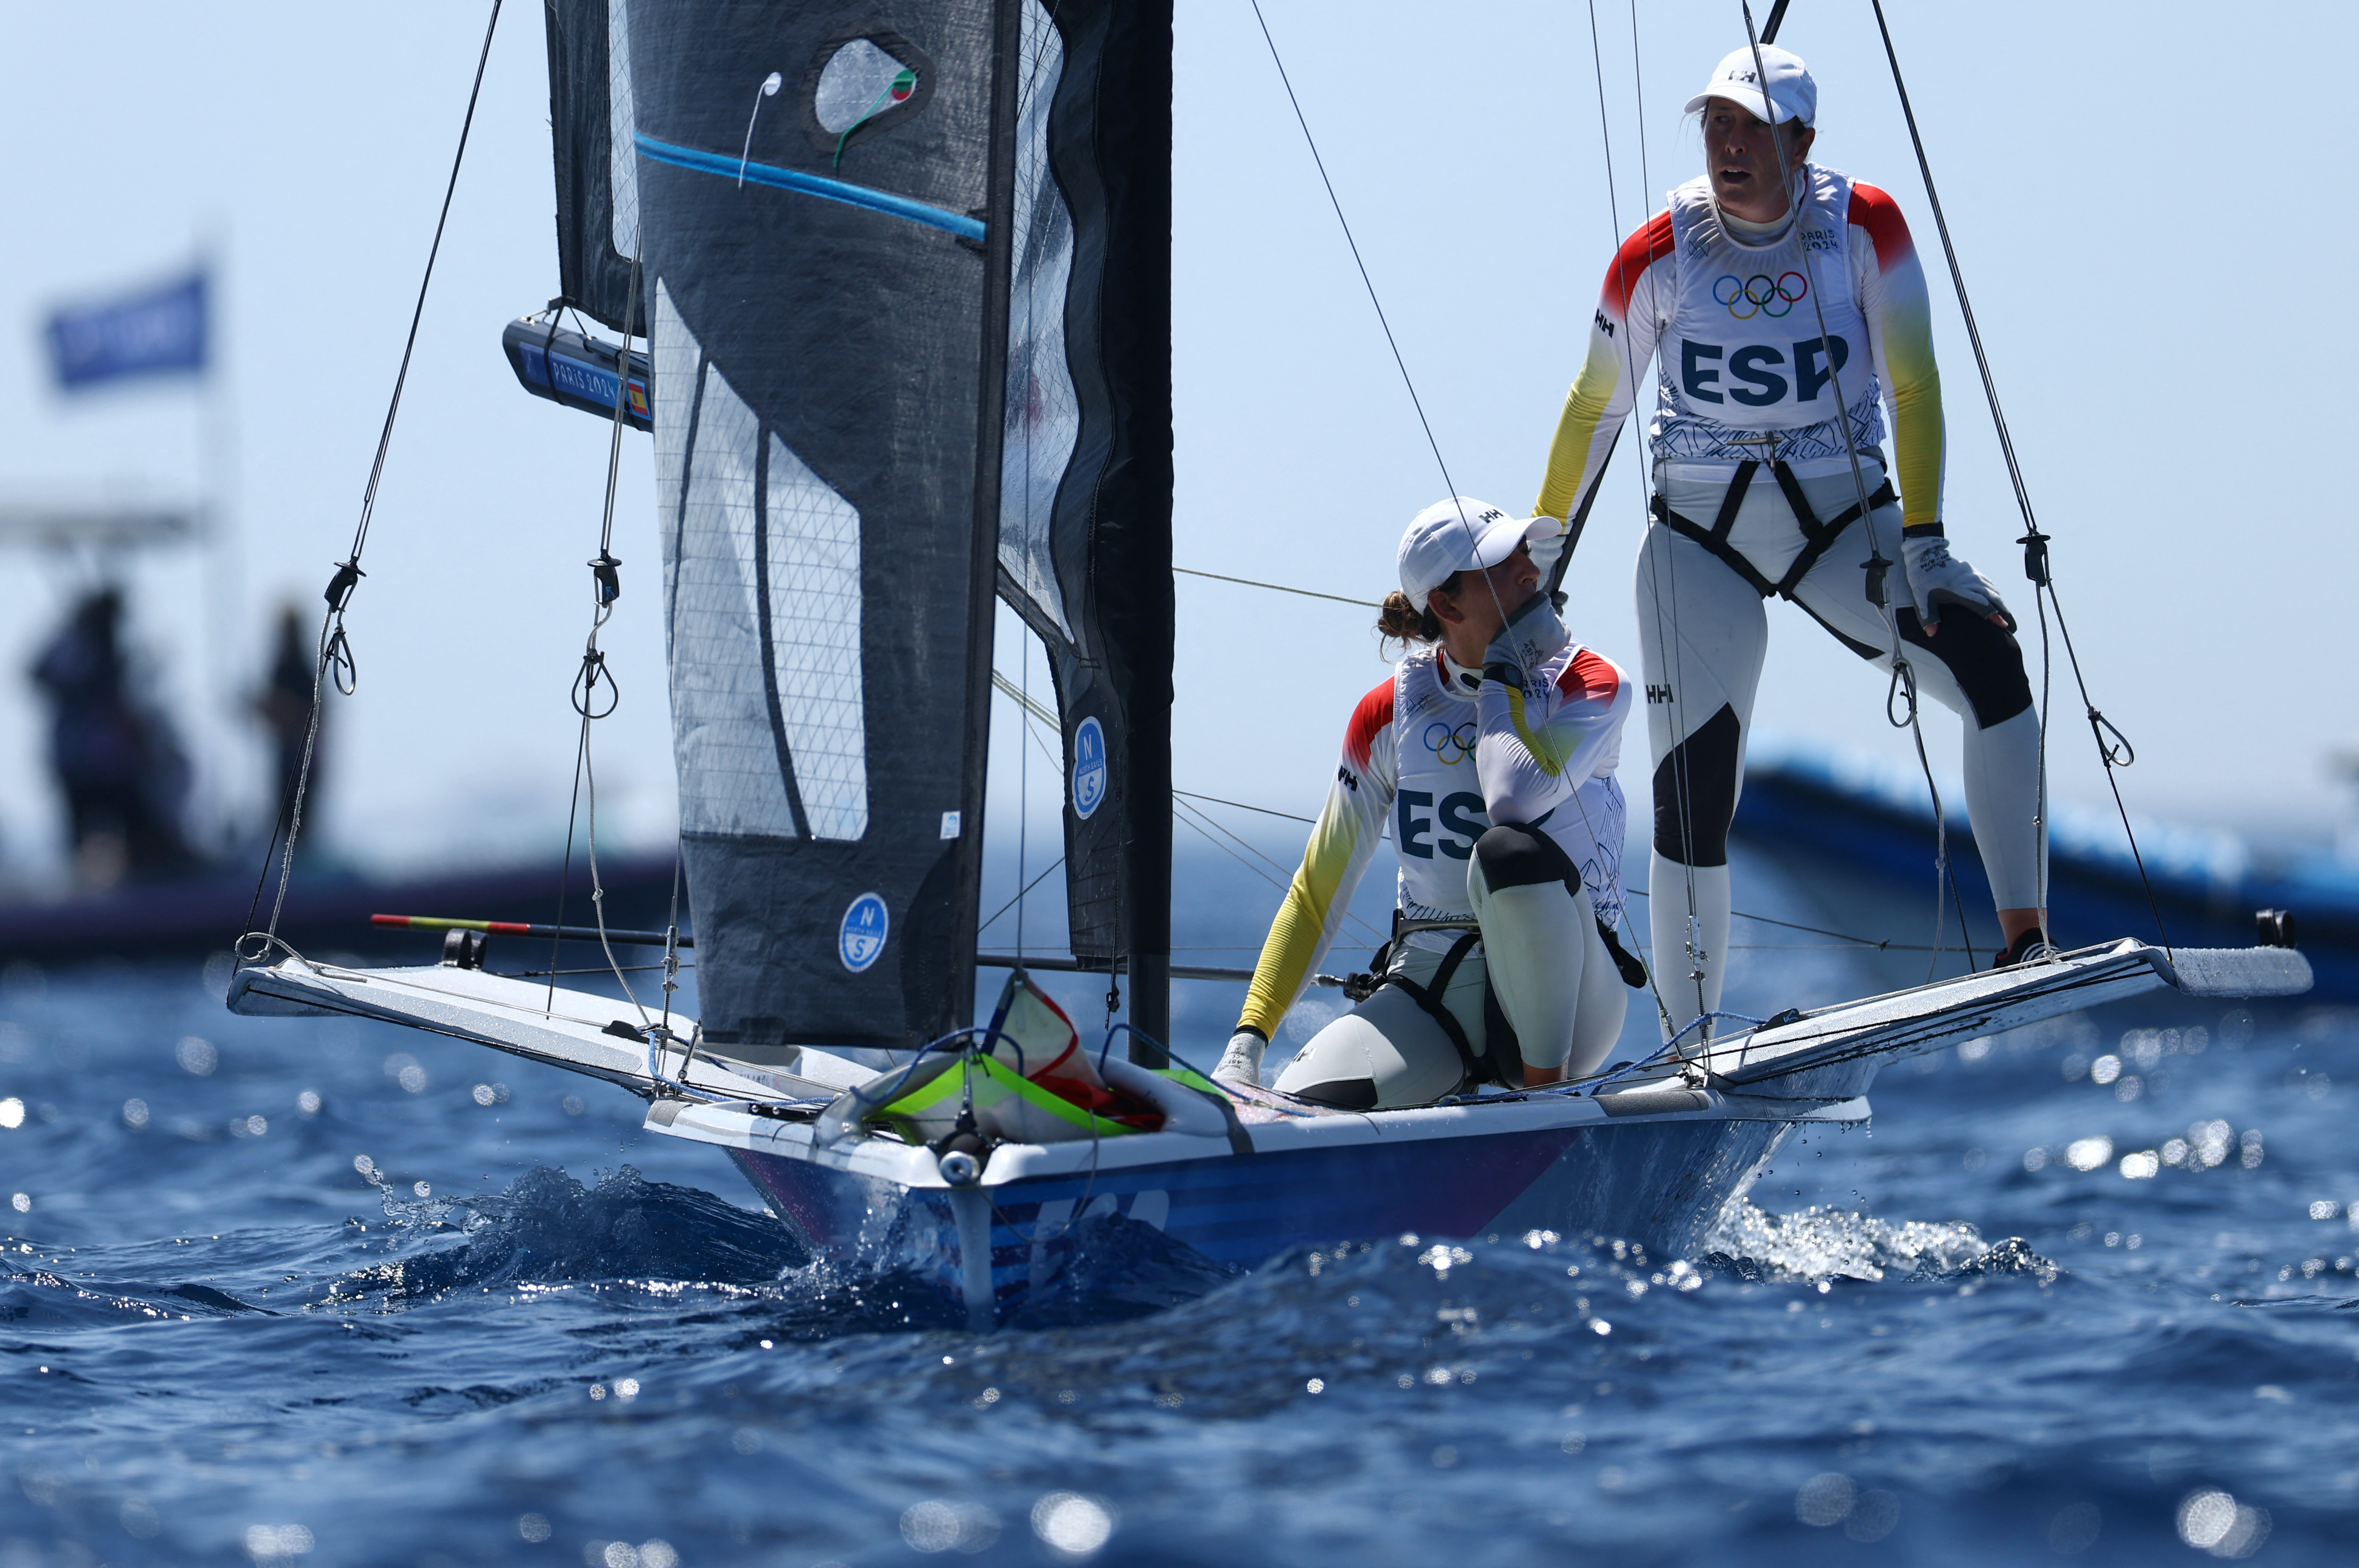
column 1438, row 806
column 1742, row 348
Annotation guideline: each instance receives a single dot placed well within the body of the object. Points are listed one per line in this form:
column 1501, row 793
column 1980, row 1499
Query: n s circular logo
column 1761, row 295
column 860, row 939
column 1089, row 768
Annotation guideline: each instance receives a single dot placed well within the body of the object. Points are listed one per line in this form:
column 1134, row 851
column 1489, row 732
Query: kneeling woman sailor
column 1493, row 748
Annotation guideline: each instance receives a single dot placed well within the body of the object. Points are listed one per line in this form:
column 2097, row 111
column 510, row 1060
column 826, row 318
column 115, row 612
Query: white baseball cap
column 1461, row 534
column 1792, row 94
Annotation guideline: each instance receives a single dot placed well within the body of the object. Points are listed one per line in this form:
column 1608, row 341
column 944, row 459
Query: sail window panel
column 813, row 539
column 621, row 125
column 1044, row 417
column 858, row 80
column 733, row 779
column 679, row 367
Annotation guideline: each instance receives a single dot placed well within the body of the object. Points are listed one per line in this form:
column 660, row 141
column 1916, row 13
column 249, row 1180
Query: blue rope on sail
column 851, row 195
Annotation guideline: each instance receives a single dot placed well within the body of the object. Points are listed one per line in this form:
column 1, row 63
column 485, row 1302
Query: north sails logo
column 860, row 939
column 1089, row 768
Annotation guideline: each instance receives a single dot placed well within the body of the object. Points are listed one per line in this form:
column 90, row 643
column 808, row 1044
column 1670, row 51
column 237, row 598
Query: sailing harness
column 1818, row 537
column 1501, row 1060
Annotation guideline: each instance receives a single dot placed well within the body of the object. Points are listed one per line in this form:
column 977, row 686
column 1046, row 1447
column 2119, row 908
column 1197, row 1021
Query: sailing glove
column 1241, row 1063
column 1547, row 548
column 1936, row 578
column 1533, row 633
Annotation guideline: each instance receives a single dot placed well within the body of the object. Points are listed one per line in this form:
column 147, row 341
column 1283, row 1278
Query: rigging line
column 1277, row 587
column 622, row 398
column 1682, row 793
column 1957, row 278
column 385, row 438
column 1200, row 818
column 1019, row 898
column 565, row 866
column 1879, row 943
column 1372, row 933
column 333, row 652
column 1023, row 782
column 1876, row 565
column 598, row 888
column 1038, row 740
column 1255, row 850
column 1789, row 925
column 605, row 588
column 2034, row 541
column 291, row 813
column 1024, row 699
column 1638, row 85
column 1241, row 806
column 1365, row 280
column 1368, row 283
column 1032, row 715
column 2113, row 760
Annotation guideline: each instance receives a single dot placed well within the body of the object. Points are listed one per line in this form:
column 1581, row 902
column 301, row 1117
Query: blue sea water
column 323, row 1292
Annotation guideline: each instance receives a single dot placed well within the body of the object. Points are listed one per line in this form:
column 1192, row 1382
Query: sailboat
column 907, row 293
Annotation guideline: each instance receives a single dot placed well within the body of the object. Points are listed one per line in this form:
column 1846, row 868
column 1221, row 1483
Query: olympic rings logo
column 1451, row 744
column 1761, row 295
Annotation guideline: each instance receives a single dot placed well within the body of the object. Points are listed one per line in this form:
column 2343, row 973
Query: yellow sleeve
column 1575, row 455
column 1342, row 844
column 1901, row 323
column 1621, row 343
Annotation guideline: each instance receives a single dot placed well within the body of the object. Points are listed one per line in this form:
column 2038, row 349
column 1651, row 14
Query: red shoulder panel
column 1879, row 214
column 1368, row 720
column 1590, row 676
column 1647, row 244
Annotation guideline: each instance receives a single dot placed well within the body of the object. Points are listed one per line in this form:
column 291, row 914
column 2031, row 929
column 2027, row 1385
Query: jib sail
column 906, row 272
column 1085, row 496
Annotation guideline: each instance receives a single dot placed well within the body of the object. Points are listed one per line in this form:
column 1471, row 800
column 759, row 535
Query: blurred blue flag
column 159, row 331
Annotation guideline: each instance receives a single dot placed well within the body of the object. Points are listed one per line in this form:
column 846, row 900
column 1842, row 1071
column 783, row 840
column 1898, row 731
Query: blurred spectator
column 124, row 776
column 285, row 705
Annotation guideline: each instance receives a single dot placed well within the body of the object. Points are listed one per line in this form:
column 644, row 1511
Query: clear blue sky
column 2136, row 192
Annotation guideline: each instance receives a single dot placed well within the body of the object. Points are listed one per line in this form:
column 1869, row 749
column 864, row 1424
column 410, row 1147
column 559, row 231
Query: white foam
column 1821, row 1243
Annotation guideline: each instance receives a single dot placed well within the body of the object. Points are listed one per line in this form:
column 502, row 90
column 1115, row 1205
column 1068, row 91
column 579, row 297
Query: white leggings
column 1540, row 955
column 1702, row 633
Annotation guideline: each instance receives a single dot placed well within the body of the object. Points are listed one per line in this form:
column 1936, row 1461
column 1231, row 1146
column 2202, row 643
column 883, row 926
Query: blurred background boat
column 1859, row 837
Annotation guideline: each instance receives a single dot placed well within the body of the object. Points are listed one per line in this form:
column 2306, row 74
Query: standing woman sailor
column 1491, row 749
column 1758, row 320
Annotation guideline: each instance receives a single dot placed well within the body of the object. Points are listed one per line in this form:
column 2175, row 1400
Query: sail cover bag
column 844, row 216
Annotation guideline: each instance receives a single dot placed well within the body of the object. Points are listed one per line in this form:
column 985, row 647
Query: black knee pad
column 1517, row 854
column 1695, row 793
column 1985, row 659
column 1343, row 1093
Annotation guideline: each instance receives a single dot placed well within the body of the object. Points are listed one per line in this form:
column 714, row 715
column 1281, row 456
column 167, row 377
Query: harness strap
column 1818, row 538
column 1626, row 963
column 1429, row 997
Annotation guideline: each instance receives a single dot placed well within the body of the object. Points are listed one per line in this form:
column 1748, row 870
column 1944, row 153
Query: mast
column 991, row 424
column 1136, row 497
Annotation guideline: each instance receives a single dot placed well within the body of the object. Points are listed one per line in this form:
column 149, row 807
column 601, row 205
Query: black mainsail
column 906, row 270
